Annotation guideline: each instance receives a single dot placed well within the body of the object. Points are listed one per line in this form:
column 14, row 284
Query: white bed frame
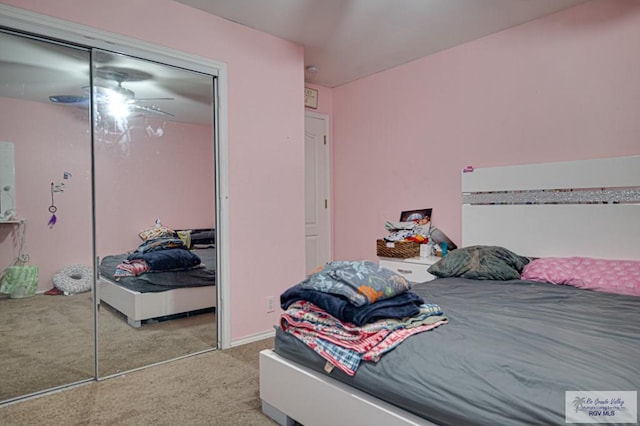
column 138, row 307
column 570, row 228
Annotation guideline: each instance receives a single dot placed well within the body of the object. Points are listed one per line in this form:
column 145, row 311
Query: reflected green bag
column 20, row 281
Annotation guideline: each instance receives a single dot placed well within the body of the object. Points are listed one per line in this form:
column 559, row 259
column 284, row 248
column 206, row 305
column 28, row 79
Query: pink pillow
column 612, row 276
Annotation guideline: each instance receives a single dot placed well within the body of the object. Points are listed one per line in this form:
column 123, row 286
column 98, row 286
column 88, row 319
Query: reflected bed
column 159, row 294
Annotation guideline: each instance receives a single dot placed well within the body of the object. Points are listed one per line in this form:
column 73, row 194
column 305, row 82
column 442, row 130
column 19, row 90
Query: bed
column 513, row 350
column 165, row 294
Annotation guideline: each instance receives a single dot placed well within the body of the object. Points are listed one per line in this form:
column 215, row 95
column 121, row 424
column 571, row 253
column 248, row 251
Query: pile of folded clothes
column 408, row 231
column 353, row 311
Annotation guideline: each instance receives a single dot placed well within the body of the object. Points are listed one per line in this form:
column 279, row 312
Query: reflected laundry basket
column 20, row 281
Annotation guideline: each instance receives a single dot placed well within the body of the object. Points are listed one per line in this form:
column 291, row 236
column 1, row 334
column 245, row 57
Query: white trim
column 327, row 128
column 253, row 338
column 35, row 23
column 314, row 114
column 223, row 239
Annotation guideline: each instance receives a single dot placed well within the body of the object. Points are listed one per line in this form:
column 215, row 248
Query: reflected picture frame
column 415, row 215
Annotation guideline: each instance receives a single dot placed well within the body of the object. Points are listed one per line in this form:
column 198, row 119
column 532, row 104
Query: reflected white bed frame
column 493, row 213
column 138, row 307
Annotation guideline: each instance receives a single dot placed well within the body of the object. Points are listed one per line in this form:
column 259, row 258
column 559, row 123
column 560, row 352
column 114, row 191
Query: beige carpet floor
column 214, row 388
column 47, row 341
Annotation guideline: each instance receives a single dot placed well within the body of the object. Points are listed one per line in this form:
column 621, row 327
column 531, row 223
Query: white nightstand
column 413, row 269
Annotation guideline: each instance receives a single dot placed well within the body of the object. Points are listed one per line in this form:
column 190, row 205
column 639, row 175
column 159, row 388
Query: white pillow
column 74, row 279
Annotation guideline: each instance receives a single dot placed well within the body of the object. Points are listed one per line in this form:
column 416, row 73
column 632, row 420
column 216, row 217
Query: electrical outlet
column 271, row 304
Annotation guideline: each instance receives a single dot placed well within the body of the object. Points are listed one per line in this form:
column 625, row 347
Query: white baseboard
column 253, row 338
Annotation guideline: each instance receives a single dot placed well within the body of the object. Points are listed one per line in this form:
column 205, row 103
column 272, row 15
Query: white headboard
column 576, row 208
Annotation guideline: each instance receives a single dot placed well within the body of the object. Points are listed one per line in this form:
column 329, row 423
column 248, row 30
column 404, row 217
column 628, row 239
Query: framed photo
column 310, row 98
column 415, row 215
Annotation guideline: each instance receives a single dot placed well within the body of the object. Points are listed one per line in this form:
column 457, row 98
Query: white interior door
column 317, row 194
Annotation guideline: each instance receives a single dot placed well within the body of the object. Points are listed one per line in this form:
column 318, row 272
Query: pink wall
column 266, row 130
column 564, row 87
column 133, row 188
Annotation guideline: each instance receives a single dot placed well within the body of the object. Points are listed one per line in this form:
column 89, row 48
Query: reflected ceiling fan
column 117, row 100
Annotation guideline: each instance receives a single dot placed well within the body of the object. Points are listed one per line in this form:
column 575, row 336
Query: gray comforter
column 509, row 353
column 153, row 282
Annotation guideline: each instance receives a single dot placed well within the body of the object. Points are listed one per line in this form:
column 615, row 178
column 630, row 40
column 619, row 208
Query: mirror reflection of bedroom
column 107, row 232
column 155, row 213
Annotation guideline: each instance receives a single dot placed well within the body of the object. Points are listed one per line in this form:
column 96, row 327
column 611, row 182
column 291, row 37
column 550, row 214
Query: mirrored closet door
column 155, row 212
column 46, row 337
column 107, row 214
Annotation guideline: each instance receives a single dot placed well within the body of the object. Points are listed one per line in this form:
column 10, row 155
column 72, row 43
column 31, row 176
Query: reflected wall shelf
column 13, row 221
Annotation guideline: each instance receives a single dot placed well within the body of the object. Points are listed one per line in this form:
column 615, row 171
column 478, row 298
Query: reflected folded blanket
column 167, row 260
column 162, row 243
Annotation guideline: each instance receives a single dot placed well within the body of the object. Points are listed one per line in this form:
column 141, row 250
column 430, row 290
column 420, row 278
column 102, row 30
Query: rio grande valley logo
column 601, row 407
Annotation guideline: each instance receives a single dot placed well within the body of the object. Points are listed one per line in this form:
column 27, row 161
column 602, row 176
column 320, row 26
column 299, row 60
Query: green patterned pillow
column 480, row 263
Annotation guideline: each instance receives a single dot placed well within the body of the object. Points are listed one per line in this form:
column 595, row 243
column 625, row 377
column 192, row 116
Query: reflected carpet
column 47, row 341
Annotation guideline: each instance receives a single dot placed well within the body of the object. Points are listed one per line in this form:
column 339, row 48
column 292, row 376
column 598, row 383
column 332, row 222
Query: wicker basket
column 399, row 249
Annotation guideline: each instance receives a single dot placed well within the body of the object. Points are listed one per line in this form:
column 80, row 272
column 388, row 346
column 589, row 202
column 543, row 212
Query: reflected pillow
column 480, row 263
column 611, row 276
column 156, row 232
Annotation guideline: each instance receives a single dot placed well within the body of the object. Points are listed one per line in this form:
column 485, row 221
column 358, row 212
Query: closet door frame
column 49, row 27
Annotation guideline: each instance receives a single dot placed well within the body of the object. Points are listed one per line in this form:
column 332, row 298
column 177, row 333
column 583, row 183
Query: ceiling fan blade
column 103, row 92
column 70, row 100
column 151, row 109
column 153, row 99
column 104, row 95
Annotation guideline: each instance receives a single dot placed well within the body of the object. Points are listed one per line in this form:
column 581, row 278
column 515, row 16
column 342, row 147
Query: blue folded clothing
column 403, row 305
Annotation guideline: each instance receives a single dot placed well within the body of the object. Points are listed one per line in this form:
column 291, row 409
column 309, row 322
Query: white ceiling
column 351, row 39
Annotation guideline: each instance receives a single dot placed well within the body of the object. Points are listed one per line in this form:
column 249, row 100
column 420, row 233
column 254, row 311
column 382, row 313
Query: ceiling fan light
column 118, row 108
column 117, row 102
